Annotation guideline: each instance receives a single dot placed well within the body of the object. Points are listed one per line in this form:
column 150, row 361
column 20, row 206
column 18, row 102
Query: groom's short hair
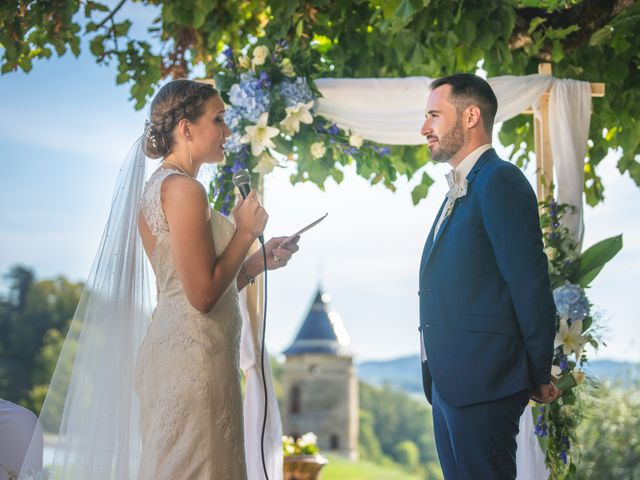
column 469, row 89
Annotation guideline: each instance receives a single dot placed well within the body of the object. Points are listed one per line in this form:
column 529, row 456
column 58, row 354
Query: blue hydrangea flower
column 563, row 457
column 564, row 362
column 264, row 79
column 233, row 143
column 571, row 302
column 232, row 117
column 296, row 91
column 333, row 129
column 249, row 97
column 381, row 151
column 541, row 429
column 238, row 165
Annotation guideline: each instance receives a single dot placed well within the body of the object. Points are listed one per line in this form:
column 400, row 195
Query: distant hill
column 625, row 373
column 404, row 372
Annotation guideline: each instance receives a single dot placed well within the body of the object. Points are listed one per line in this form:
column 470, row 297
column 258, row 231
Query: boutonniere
column 455, row 193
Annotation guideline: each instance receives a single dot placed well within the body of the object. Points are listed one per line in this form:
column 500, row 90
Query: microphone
column 242, row 180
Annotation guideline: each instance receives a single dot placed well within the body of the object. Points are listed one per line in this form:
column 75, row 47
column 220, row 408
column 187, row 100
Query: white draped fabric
column 529, row 456
column 391, row 111
column 570, row 102
column 254, row 404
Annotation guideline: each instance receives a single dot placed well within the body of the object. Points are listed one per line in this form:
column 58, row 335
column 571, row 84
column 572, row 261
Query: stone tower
column 320, row 384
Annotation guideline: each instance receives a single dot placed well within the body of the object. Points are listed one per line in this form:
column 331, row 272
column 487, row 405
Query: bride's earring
column 190, row 161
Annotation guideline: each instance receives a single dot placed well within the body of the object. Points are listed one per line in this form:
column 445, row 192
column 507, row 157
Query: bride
column 182, row 360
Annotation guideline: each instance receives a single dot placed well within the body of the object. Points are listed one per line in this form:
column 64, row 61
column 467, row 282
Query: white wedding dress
column 187, row 374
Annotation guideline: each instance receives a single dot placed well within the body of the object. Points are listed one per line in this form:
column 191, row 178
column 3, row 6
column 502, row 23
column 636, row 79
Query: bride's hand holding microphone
column 249, row 216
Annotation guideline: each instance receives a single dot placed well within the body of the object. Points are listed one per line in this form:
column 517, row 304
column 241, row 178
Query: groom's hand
column 546, row 393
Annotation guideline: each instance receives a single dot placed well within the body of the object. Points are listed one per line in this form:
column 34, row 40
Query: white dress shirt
column 459, row 173
column 454, row 177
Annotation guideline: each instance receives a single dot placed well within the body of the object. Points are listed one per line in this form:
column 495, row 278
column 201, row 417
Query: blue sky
column 65, row 127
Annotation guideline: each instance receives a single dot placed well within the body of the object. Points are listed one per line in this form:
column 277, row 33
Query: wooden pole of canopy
column 544, row 158
column 255, row 292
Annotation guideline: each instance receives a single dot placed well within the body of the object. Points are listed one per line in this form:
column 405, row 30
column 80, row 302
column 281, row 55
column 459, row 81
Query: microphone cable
column 262, row 355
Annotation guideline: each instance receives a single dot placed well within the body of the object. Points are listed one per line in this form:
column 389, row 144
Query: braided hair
column 176, row 100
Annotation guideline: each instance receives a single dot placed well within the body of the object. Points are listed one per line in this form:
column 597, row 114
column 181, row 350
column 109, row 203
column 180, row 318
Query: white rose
column 244, row 61
column 356, row 140
column 307, row 439
column 260, row 54
column 287, row 68
column 318, row 150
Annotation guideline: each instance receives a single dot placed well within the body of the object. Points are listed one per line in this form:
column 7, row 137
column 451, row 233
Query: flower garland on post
column 271, row 102
column 576, row 326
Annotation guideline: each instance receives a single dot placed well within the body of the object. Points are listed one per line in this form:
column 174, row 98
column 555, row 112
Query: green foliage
column 340, row 468
column 595, row 258
column 609, row 441
column 402, row 426
column 368, row 443
column 407, row 454
column 583, row 39
column 34, row 318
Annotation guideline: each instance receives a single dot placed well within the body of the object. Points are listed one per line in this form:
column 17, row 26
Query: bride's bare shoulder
column 180, row 192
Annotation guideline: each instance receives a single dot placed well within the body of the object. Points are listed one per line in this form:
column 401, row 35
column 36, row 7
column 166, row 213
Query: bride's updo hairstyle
column 176, row 100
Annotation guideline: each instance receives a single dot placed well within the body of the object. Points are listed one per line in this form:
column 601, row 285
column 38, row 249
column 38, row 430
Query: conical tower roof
column 322, row 331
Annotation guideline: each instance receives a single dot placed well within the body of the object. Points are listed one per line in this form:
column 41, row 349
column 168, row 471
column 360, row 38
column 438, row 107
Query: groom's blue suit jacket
column 486, row 307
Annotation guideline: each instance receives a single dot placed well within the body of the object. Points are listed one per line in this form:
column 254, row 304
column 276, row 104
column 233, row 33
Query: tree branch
column 113, row 12
column 113, row 29
column 590, row 15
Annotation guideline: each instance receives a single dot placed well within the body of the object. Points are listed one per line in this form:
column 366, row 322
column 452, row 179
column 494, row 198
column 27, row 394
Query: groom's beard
column 449, row 144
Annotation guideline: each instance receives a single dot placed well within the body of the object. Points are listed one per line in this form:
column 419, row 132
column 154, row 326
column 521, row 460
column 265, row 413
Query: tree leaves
column 422, row 189
column 358, row 38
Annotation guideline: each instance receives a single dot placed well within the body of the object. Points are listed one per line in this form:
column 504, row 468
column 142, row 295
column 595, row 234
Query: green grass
column 341, row 469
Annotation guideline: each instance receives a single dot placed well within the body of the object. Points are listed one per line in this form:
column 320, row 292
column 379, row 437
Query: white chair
column 17, row 427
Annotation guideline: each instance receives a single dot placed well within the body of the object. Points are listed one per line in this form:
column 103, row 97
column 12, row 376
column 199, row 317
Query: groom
column 487, row 317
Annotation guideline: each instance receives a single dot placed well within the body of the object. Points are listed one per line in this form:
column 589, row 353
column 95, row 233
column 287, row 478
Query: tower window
column 294, row 399
column 334, row 442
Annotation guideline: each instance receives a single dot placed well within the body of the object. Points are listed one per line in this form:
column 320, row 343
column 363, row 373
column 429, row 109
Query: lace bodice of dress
column 161, row 259
column 152, row 204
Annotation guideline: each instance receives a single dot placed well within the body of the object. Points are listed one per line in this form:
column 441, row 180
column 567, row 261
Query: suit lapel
column 431, row 241
column 426, row 251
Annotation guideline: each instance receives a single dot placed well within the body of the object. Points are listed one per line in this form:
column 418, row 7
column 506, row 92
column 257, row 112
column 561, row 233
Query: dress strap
column 151, row 202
